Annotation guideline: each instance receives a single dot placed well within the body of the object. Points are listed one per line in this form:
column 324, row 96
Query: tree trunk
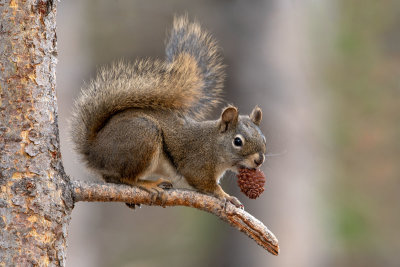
column 35, row 205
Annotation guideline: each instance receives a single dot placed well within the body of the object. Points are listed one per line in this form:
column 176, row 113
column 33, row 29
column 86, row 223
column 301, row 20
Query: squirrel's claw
column 235, row 202
column 228, row 198
column 164, row 184
column 133, row 205
column 156, row 189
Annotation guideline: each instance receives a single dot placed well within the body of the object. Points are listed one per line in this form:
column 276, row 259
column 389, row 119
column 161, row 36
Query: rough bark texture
column 236, row 217
column 34, row 204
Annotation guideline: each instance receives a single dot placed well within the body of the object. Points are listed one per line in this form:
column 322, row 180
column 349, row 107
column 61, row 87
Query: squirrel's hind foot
column 155, row 189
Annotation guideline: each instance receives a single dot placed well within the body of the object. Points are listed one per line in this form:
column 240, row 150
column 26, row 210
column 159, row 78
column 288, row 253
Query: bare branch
column 240, row 219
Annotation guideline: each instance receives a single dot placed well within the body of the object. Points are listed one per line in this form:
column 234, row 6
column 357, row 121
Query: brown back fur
column 189, row 83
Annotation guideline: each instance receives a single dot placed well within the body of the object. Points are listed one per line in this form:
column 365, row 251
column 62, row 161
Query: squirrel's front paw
column 225, row 197
column 235, row 202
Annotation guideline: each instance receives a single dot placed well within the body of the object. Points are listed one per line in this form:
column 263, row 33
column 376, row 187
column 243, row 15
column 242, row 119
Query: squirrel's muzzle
column 259, row 160
column 253, row 161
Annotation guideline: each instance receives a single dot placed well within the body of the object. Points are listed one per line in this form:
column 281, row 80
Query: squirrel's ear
column 256, row 115
column 229, row 118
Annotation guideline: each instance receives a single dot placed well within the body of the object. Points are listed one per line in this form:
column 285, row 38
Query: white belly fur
column 162, row 168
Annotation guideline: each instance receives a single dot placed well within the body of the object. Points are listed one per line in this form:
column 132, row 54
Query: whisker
column 276, row 154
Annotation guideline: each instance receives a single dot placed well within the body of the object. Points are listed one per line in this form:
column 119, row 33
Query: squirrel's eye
column 237, row 141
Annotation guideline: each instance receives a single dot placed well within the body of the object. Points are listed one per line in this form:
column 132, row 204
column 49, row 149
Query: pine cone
column 251, row 182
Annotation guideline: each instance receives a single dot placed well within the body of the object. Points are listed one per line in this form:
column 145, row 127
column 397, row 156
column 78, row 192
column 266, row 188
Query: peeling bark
column 35, row 202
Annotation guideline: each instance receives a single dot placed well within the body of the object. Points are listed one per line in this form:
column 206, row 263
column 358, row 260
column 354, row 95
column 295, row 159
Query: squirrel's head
column 242, row 139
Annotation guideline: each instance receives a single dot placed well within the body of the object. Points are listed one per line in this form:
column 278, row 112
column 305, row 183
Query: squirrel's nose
column 260, row 160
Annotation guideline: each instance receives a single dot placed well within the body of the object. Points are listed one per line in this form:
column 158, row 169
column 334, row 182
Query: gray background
column 325, row 74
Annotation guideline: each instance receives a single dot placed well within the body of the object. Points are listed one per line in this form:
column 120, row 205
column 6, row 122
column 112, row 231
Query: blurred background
column 327, row 76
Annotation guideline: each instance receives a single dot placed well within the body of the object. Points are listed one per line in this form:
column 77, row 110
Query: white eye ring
column 238, row 141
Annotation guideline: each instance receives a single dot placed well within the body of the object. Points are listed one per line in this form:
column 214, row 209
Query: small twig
column 240, row 219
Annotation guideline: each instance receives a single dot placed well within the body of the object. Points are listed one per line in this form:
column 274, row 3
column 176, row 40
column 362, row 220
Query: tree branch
column 240, row 219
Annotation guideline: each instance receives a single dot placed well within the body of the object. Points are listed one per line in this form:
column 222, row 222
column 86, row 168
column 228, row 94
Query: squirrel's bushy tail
column 188, row 37
column 189, row 82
